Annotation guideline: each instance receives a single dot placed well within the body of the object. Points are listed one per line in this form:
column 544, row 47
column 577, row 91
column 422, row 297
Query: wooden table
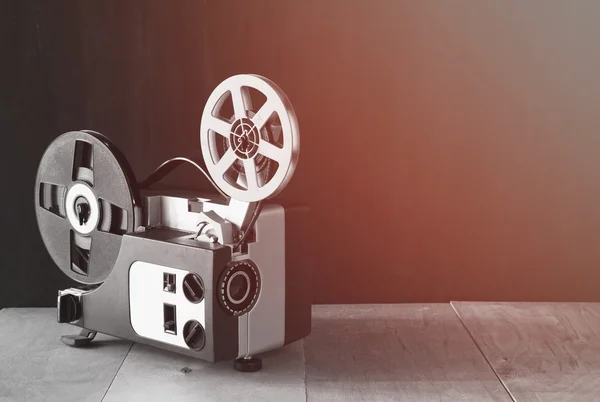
column 410, row 352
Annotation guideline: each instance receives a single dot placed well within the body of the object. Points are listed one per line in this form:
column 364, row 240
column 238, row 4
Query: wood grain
column 395, row 353
column 151, row 374
column 36, row 366
column 542, row 351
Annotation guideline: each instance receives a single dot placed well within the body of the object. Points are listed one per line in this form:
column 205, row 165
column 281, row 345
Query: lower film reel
column 249, row 137
column 86, row 199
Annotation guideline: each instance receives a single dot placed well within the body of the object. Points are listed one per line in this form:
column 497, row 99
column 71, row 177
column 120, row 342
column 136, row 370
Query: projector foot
column 84, row 339
column 248, row 364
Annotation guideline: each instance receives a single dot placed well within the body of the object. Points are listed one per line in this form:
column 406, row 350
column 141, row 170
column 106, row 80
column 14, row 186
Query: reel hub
column 82, row 208
column 244, row 138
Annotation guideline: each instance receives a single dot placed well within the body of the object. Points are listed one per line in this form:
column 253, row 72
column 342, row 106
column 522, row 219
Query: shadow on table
column 150, row 373
column 286, row 361
column 107, row 343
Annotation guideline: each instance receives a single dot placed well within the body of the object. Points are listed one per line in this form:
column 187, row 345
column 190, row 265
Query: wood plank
column 542, row 351
column 395, row 353
column 150, row 374
column 36, row 366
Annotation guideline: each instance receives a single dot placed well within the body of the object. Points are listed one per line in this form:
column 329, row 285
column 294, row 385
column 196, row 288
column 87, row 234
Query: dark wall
column 449, row 149
column 35, row 70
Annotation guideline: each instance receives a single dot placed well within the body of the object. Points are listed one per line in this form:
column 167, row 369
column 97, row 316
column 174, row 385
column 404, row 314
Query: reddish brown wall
column 450, row 150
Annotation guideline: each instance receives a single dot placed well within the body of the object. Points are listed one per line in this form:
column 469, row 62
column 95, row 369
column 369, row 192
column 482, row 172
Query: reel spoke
column 271, row 151
column 58, row 223
column 105, row 186
column 263, row 115
column 104, row 190
column 240, row 97
column 61, row 235
column 251, row 179
column 225, row 162
column 103, row 253
column 218, row 126
column 59, row 170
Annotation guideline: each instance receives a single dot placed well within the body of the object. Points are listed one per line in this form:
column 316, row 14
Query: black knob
column 69, row 308
column 193, row 334
column 193, row 288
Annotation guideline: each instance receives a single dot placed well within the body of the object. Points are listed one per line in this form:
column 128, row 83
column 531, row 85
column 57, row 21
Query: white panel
column 175, row 213
column 146, row 299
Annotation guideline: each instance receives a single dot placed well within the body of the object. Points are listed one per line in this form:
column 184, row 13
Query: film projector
column 221, row 276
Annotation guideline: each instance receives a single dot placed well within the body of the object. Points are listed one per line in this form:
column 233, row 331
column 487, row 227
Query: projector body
column 131, row 303
column 216, row 276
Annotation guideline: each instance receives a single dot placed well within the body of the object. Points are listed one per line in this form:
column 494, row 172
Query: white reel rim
column 212, row 127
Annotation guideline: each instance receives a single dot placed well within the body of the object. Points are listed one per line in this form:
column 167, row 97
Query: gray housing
column 106, row 309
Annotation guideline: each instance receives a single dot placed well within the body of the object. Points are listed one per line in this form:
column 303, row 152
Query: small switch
column 170, row 318
column 169, row 283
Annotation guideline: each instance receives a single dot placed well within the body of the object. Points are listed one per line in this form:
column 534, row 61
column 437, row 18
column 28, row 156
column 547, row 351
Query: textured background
column 450, row 149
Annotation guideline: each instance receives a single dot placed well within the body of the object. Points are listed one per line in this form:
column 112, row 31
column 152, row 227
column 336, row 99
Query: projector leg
column 84, row 339
column 248, row 364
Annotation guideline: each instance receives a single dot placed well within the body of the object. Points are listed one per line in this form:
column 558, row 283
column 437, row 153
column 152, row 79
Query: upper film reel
column 86, row 200
column 249, row 138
